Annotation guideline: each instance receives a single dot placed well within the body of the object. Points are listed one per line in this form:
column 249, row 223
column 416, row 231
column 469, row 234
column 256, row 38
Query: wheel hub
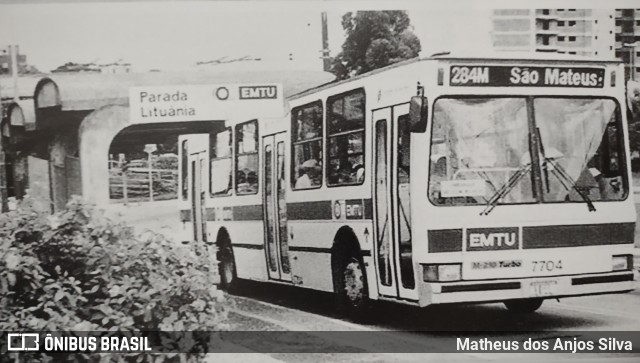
column 228, row 272
column 354, row 282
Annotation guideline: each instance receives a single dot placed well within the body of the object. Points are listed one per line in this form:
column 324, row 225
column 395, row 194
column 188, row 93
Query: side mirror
column 418, row 113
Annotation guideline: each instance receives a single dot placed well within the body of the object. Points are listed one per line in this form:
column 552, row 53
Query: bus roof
column 521, row 56
column 459, row 56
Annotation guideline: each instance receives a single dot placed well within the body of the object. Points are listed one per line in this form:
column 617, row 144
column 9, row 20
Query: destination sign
column 522, row 76
column 175, row 103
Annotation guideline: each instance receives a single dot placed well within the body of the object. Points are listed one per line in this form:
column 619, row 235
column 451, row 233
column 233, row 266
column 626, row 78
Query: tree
column 375, row 39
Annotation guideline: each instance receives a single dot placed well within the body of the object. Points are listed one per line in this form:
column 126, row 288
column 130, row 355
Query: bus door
column 275, row 207
column 392, row 208
column 198, row 166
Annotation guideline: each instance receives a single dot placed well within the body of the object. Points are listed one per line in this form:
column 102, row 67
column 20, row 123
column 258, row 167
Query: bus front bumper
column 539, row 287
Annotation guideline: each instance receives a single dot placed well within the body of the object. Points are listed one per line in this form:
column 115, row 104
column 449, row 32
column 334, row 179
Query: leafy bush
column 168, row 162
column 79, row 271
column 166, row 184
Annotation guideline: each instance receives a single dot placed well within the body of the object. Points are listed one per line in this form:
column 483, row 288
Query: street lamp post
column 632, row 58
column 150, row 149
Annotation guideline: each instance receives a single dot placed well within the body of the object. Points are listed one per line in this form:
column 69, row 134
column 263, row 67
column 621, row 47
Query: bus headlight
column 621, row 262
column 442, row 273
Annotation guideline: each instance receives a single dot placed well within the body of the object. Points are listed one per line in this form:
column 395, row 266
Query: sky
column 173, row 35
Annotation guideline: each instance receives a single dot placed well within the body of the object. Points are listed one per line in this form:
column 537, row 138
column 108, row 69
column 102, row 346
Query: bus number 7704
column 541, row 266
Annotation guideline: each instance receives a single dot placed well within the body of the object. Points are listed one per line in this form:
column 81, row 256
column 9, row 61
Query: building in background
column 6, row 64
column 627, row 40
column 118, row 66
column 586, row 32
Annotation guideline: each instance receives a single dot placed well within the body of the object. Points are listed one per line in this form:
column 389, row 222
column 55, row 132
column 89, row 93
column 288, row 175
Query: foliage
column 374, row 39
column 79, row 271
column 169, row 147
column 168, row 162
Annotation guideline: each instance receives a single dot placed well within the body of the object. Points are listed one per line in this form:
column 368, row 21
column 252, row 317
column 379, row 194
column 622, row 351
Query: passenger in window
column 240, row 178
column 343, row 172
column 252, row 180
column 247, row 182
column 358, row 172
column 309, row 175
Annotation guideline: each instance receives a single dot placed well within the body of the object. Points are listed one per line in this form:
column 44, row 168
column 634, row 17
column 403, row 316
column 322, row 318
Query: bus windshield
column 480, row 145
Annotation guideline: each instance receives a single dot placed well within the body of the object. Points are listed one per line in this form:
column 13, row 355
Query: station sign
column 152, row 104
column 523, row 76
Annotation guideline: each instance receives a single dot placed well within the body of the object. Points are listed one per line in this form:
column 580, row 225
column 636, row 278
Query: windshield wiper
column 506, row 188
column 482, row 174
column 563, row 177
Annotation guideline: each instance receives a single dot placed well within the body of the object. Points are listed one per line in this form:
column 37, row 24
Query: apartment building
column 588, row 32
column 6, row 66
column 627, row 40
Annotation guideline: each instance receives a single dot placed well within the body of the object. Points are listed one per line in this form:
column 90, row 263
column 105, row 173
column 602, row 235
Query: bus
column 445, row 179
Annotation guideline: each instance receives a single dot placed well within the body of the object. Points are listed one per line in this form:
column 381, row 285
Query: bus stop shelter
column 57, row 130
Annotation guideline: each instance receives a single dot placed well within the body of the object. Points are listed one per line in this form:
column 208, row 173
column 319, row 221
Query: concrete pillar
column 95, row 136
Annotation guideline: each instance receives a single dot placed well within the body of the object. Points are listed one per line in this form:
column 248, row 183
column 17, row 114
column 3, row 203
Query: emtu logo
column 18, row 342
column 258, row 92
column 490, row 239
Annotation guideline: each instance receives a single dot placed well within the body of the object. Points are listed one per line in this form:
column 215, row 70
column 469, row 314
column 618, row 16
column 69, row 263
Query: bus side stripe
column 368, row 208
column 319, row 210
column 445, row 240
column 185, row 215
column 316, row 210
column 247, row 213
column 578, row 235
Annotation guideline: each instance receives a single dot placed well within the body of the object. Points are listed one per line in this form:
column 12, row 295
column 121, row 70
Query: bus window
column 404, row 201
column 184, row 172
column 282, row 210
column 383, row 242
column 247, row 158
column 220, row 159
column 582, row 136
column 345, row 138
column 306, row 141
column 477, row 145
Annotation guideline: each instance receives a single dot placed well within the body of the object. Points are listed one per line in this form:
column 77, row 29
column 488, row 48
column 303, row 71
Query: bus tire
column 523, row 306
column 351, row 285
column 226, row 266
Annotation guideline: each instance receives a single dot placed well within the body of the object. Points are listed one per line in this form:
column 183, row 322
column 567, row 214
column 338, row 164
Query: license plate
column 543, row 288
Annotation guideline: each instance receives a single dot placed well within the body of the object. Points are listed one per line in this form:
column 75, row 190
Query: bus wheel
column 227, row 268
column 353, row 294
column 523, row 306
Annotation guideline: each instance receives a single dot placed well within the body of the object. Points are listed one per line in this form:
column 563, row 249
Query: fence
column 142, row 184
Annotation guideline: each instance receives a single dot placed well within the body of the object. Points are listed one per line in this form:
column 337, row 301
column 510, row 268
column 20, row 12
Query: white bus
column 438, row 180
